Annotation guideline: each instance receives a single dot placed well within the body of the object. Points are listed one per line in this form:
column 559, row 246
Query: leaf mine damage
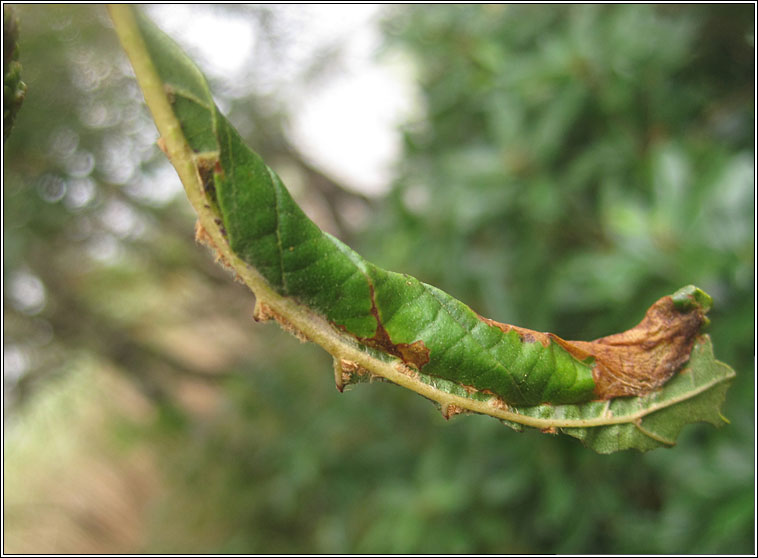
column 643, row 358
column 537, row 379
column 416, row 354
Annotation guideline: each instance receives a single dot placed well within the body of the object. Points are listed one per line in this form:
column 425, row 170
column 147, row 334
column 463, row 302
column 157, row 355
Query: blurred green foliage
column 572, row 164
column 13, row 88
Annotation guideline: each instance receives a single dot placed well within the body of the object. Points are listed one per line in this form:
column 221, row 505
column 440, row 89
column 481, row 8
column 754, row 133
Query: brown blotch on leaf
column 415, row 354
column 206, row 178
column 207, row 166
column 472, row 390
column 645, row 357
column 526, row 335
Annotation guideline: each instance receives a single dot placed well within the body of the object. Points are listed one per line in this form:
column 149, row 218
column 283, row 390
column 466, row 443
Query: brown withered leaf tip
column 638, row 360
column 645, row 357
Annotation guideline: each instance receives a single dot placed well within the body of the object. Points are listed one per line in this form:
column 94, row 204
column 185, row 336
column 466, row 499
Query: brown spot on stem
column 170, row 93
column 407, row 370
column 207, row 167
column 206, row 178
column 450, row 410
column 415, row 354
column 264, row 312
column 202, row 237
column 220, row 225
column 345, row 372
column 162, row 146
column 498, row 403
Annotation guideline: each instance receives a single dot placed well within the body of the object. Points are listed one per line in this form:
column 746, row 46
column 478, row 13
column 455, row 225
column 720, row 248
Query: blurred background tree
column 569, row 166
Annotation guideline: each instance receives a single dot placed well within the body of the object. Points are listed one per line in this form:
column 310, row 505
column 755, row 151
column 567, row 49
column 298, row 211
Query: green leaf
column 627, row 390
column 694, row 394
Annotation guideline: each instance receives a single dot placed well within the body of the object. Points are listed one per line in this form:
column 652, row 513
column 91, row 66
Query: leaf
column 654, row 420
column 622, row 391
